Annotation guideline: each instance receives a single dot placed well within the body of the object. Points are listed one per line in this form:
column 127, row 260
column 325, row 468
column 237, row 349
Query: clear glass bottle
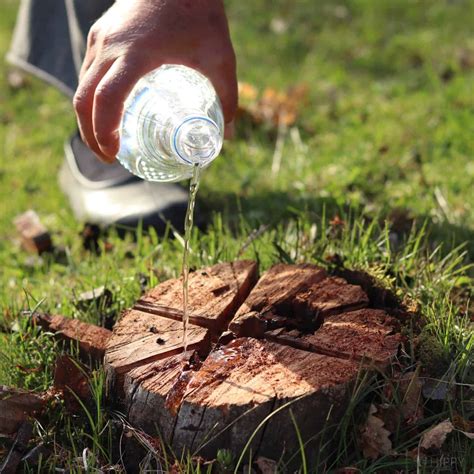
column 172, row 120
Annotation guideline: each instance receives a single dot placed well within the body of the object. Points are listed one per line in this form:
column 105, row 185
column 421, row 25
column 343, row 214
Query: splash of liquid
column 188, row 225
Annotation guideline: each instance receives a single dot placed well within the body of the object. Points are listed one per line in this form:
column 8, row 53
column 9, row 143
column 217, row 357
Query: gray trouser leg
column 50, row 37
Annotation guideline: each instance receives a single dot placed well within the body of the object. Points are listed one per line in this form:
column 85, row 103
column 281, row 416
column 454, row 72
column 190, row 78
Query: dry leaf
column 390, row 415
column 436, row 436
column 462, row 424
column 410, row 387
column 247, row 92
column 375, row 439
column 175, row 468
column 336, row 221
column 273, row 107
column 266, row 466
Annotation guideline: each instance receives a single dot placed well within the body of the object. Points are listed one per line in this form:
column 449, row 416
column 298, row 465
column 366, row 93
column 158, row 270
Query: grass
column 385, row 142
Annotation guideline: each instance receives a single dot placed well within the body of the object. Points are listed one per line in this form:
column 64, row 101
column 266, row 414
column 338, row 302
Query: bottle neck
column 197, row 140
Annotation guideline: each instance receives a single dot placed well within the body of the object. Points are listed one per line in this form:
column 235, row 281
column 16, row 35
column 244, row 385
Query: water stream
column 188, row 225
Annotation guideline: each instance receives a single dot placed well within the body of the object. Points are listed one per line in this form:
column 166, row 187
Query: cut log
column 140, row 338
column 92, row 340
column 369, row 335
column 274, row 293
column 16, row 407
column 244, row 382
column 34, row 235
column 214, row 295
column 297, row 341
column 158, row 387
column 330, row 296
column 297, row 296
column 153, row 330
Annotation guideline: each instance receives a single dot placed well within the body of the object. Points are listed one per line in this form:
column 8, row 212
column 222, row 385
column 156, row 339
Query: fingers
column 229, row 130
column 110, row 95
column 84, row 102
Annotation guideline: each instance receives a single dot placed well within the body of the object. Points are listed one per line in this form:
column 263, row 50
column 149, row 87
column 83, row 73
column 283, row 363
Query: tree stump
column 295, row 340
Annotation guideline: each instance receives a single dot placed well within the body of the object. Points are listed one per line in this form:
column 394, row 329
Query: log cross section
column 296, row 338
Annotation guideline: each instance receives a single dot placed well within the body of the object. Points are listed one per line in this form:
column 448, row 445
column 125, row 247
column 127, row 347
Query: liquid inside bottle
column 172, row 121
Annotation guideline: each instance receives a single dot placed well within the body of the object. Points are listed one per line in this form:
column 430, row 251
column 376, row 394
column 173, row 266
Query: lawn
column 375, row 173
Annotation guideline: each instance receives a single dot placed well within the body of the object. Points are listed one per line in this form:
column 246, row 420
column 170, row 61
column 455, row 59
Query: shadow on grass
column 273, row 207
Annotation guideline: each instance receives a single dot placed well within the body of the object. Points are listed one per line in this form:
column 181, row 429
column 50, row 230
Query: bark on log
column 92, row 340
column 300, row 339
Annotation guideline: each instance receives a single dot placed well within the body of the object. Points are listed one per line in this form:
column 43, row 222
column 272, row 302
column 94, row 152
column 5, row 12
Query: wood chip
column 92, row 340
column 34, row 236
column 17, row 406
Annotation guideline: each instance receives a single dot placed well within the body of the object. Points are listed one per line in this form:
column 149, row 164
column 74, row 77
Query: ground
column 376, row 173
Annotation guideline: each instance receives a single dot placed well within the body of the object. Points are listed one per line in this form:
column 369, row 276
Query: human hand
column 136, row 36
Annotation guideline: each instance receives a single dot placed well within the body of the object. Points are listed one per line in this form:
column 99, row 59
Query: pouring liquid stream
column 188, row 225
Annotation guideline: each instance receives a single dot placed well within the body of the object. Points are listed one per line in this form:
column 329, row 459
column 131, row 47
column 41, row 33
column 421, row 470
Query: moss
column 433, row 356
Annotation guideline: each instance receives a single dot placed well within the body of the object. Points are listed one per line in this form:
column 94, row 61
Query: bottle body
column 172, row 121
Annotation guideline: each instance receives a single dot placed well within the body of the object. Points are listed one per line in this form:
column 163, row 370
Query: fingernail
column 109, row 151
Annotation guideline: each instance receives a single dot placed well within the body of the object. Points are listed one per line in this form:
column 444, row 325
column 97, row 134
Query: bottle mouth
column 197, row 140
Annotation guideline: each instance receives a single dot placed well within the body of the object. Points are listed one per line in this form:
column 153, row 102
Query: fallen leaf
column 390, row 415
column 375, row 440
column 462, row 424
column 436, row 436
column 273, row 107
column 266, row 466
column 175, row 468
column 336, row 221
column 247, row 92
column 410, row 387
